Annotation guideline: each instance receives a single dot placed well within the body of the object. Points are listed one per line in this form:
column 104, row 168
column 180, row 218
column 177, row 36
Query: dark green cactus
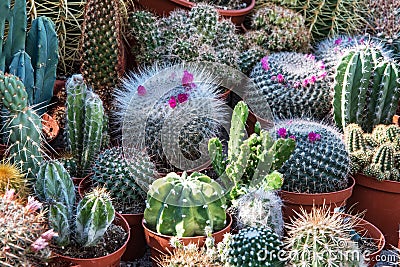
column 291, row 84
column 320, row 161
column 185, row 205
column 367, row 88
column 249, row 58
column 256, row 247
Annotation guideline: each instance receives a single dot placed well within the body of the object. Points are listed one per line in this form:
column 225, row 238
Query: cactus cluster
column 23, row 126
column 12, row 178
column 198, row 35
column 292, row 84
column 322, row 238
column 249, row 161
column 224, row 4
column 126, row 177
column 85, row 121
column 276, row 28
column 32, row 56
column 185, row 205
column 367, row 88
column 255, row 246
column 320, row 161
column 101, row 48
column 23, row 236
column 376, row 154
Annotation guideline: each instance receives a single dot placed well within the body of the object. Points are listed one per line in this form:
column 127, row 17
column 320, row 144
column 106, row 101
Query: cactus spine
column 11, row 178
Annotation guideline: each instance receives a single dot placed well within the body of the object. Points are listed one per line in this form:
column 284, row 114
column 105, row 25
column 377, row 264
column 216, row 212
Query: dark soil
column 131, row 208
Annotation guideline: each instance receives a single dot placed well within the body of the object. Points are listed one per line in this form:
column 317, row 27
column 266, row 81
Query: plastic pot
column 292, row 202
column 160, row 244
column 111, row 260
column 380, row 200
column 164, row 7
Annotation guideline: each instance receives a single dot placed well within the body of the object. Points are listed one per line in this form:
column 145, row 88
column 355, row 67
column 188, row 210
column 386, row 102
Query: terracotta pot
column 160, row 244
column 50, row 127
column 396, row 119
column 111, row 260
column 380, row 200
column 79, row 182
column 164, row 7
column 293, row 201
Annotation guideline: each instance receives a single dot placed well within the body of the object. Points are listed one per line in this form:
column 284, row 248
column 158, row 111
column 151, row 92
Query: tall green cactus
column 23, row 126
column 367, row 88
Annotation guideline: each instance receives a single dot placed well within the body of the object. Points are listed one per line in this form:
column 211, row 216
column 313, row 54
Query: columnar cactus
column 23, row 126
column 291, row 83
column 320, row 161
column 322, row 238
column 125, row 176
column 12, row 178
column 185, row 205
column 255, row 246
column 367, row 88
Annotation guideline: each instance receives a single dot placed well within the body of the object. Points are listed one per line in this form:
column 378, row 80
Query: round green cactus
column 292, row 84
column 249, row 58
column 320, row 161
column 354, row 138
column 185, row 205
column 256, row 247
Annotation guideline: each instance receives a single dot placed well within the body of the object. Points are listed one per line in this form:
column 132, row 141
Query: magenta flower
column 264, row 63
column 322, row 75
column 182, row 98
column 296, row 84
column 312, row 137
column 321, row 65
column 313, row 79
column 338, row 41
column 305, row 82
column 187, row 78
column 280, row 78
column 292, row 137
column 172, row 102
column 282, row 132
column 48, row 235
column 32, row 205
column 141, row 90
column 39, row 244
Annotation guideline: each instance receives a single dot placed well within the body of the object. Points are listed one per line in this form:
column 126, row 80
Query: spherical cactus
column 249, row 58
column 185, row 205
column 322, row 238
column 292, row 84
column 12, row 178
column 255, row 247
column 382, row 163
column 320, row 161
column 123, row 174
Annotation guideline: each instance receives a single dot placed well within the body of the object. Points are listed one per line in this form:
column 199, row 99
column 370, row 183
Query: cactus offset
column 173, row 202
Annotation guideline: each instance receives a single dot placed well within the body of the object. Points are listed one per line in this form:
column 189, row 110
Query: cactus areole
column 184, row 205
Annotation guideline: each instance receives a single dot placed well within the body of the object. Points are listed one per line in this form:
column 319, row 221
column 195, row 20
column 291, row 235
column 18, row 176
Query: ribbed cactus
column 33, row 57
column 320, row 161
column 101, row 49
column 250, row 160
column 353, row 136
column 322, row 238
column 126, row 177
column 382, row 163
column 255, row 246
column 12, row 178
column 367, row 88
column 85, row 120
column 23, row 235
column 291, row 83
column 23, row 126
column 185, row 205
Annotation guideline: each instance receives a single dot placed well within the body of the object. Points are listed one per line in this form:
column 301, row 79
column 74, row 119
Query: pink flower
column 280, row 78
column 292, row 137
column 321, row 65
column 264, row 63
column 187, row 78
column 305, row 82
column 39, row 244
column 9, row 195
column 182, row 98
column 322, row 75
column 48, row 235
column 282, row 132
column 296, row 84
column 312, row 137
column 313, row 79
column 141, row 90
column 172, row 102
column 32, row 205
column 273, row 78
column 338, row 41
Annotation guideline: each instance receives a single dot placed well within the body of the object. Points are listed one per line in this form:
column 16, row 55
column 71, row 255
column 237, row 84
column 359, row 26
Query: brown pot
column 50, row 127
column 292, row 202
column 380, row 200
column 160, row 244
column 111, row 260
column 164, row 7
column 396, row 119
column 81, row 182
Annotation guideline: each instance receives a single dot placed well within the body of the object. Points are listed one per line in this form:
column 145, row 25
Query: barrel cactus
column 185, row 205
column 367, row 88
column 126, row 176
column 255, row 246
column 292, row 84
column 322, row 238
column 320, row 161
column 12, row 178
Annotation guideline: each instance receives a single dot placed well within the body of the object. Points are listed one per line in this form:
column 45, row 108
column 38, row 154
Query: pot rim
column 388, row 186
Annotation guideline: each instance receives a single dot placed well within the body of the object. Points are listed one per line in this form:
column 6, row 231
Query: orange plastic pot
column 164, row 7
column 292, row 202
column 160, row 244
column 381, row 202
column 111, row 260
